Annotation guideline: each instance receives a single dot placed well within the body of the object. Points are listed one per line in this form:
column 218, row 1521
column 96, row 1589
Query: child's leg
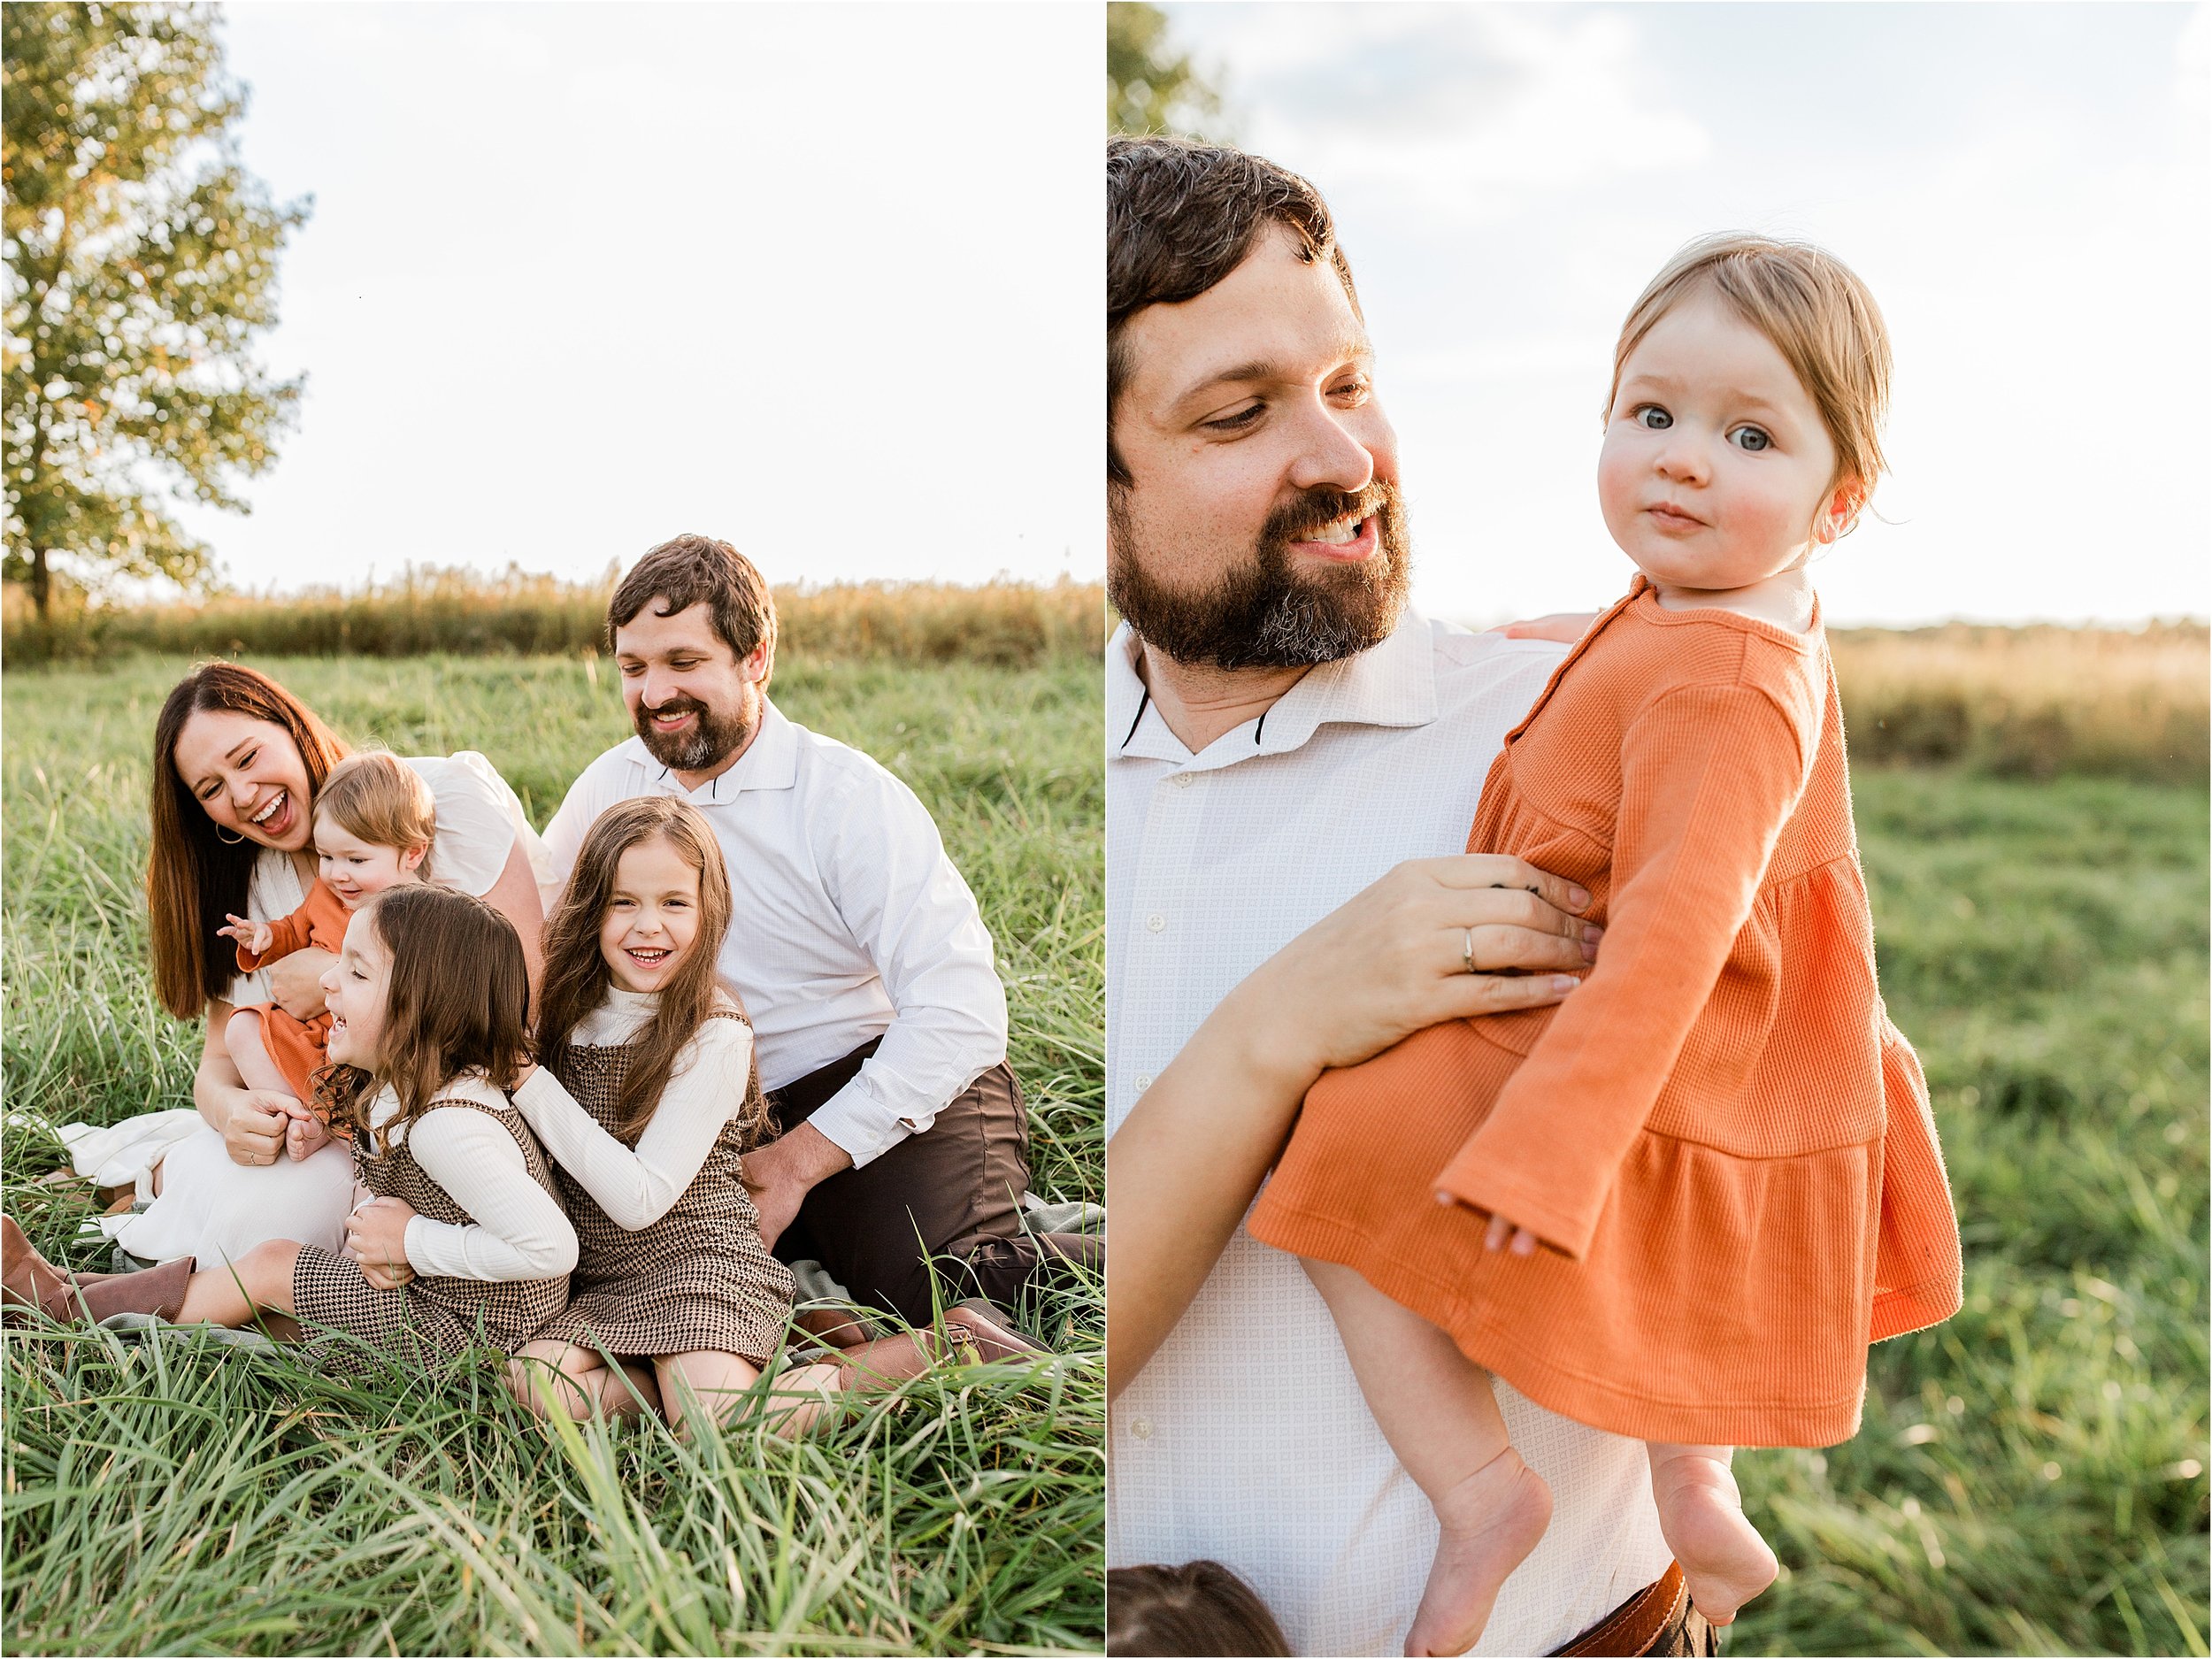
column 582, row 1382
column 258, row 1283
column 242, row 1037
column 1435, row 1408
column 1724, row 1561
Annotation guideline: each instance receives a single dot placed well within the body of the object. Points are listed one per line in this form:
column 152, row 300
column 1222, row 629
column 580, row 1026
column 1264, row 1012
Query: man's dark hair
column 694, row 570
column 1181, row 215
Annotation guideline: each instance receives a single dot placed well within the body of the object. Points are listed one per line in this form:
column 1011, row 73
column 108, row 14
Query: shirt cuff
column 858, row 1124
column 421, row 1242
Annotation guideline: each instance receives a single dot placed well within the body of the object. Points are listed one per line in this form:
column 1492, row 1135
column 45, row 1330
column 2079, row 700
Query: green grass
column 181, row 1498
column 2031, row 1476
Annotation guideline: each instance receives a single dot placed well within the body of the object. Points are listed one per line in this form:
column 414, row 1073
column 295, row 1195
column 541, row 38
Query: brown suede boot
column 28, row 1280
column 983, row 1330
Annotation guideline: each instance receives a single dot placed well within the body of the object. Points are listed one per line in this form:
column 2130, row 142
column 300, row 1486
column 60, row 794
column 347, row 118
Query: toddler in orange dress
column 1680, row 1204
column 376, row 821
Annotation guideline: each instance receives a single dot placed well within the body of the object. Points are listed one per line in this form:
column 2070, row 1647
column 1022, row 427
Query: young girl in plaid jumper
column 463, row 1243
column 647, row 1098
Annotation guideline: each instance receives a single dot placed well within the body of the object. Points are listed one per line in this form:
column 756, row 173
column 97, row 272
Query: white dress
column 217, row 1209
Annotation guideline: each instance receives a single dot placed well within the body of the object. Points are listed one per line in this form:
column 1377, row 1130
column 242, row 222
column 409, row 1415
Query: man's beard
column 1269, row 613
column 715, row 736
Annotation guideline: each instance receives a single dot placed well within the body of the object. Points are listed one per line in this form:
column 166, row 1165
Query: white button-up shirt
column 1245, row 1439
column 847, row 923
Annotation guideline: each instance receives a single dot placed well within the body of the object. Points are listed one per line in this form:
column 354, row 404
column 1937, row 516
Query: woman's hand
column 1432, row 941
column 257, row 937
column 254, row 1132
column 296, row 982
column 376, row 1237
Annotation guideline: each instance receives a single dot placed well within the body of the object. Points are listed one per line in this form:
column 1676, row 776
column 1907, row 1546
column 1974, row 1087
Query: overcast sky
column 2023, row 187
column 821, row 280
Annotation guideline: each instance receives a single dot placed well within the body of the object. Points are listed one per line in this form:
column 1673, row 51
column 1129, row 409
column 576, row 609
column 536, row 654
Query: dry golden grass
column 426, row 611
column 2031, row 702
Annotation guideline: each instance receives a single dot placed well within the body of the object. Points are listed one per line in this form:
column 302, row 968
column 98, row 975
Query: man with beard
column 1283, row 731
column 878, row 1021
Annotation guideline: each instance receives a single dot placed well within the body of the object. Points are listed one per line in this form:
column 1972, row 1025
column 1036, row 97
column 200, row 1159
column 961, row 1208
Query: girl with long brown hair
column 647, row 1098
column 463, row 1243
column 238, row 764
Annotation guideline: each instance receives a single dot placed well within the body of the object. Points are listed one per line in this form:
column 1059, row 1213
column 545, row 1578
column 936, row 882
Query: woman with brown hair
column 237, row 763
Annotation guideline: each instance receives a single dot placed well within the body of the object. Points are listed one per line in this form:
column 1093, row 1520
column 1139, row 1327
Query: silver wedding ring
column 1468, row 956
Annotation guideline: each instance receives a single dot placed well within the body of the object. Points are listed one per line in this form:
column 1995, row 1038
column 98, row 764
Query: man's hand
column 783, row 1172
column 376, row 1237
column 1435, row 939
column 296, row 982
column 1562, row 626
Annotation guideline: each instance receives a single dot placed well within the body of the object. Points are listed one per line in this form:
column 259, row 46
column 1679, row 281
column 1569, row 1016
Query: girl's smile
column 353, row 995
column 652, row 915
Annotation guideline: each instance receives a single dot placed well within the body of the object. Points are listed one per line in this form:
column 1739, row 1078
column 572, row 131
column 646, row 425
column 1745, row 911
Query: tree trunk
column 40, row 583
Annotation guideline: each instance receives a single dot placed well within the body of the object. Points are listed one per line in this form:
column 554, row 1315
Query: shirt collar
column 771, row 761
column 1390, row 684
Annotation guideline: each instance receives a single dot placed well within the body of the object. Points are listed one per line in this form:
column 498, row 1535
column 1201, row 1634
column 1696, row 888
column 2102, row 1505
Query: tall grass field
column 178, row 1497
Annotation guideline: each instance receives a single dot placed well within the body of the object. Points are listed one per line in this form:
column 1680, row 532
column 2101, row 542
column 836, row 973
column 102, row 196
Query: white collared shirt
column 847, row 923
column 1245, row 1439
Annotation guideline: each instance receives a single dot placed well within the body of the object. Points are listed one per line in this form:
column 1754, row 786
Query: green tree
column 141, row 263
column 1150, row 86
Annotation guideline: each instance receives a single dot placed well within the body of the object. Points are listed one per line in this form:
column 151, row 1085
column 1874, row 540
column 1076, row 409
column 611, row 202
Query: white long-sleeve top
column 848, row 923
column 705, row 1090
column 516, row 1229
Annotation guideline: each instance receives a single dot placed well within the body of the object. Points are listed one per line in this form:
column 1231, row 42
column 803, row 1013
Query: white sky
column 821, row 280
column 2027, row 189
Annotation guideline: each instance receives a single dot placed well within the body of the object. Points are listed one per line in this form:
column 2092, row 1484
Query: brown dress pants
column 949, row 1199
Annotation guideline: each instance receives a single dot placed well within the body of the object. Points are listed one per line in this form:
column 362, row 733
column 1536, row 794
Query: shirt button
column 1144, row 1081
column 1184, row 779
column 1141, row 1427
column 1155, row 922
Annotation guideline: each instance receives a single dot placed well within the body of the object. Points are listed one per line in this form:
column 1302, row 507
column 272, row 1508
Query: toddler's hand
column 256, row 936
column 1523, row 1242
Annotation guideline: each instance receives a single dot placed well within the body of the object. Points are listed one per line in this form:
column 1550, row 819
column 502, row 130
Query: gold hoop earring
column 228, row 841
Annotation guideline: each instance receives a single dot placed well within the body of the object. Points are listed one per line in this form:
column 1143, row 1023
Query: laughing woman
column 237, row 763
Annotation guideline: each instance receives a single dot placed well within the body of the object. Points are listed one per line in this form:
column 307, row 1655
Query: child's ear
column 411, row 859
column 1841, row 516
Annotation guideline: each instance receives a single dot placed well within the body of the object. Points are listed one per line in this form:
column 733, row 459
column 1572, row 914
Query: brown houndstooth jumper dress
column 429, row 1318
column 698, row 1278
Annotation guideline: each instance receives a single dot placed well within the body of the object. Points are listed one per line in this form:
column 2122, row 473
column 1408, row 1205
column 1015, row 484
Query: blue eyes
column 1751, row 440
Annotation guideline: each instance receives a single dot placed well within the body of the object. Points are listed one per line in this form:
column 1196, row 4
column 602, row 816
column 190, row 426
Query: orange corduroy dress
column 1723, row 1141
column 297, row 1046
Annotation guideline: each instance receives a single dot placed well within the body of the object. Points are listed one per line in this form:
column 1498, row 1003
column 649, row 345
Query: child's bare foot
column 1724, row 1561
column 1490, row 1520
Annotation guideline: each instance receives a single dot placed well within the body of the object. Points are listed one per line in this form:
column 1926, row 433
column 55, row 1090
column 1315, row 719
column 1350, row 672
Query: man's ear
column 753, row 669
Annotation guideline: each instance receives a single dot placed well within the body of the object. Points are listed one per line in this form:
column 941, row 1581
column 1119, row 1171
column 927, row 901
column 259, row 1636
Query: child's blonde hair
column 1816, row 313
column 378, row 798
